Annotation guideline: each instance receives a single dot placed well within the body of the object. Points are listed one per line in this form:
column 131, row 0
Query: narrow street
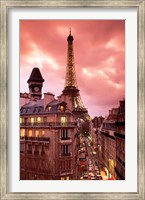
column 88, row 168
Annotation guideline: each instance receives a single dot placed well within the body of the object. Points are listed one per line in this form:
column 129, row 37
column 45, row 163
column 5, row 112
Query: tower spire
column 70, row 79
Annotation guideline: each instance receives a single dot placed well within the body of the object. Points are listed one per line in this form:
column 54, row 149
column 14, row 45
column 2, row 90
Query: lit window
column 38, row 119
column 22, row 132
column 62, row 178
column 30, row 133
column 43, row 132
column 36, row 133
column 63, row 120
column 62, row 108
column 20, row 120
column 49, row 108
column 32, row 120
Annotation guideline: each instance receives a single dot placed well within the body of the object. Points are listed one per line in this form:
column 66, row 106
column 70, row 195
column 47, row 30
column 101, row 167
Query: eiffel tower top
column 70, row 37
column 70, row 79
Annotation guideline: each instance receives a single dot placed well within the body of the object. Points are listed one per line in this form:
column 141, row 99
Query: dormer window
column 49, row 108
column 62, row 108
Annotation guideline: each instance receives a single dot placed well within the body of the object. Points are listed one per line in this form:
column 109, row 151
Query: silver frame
column 5, row 6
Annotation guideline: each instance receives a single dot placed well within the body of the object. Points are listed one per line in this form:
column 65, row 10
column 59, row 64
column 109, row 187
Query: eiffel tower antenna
column 71, row 87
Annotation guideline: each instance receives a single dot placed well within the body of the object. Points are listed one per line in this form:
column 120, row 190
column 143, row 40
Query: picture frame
column 4, row 79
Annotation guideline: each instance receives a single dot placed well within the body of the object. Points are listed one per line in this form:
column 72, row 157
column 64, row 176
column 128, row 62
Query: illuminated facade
column 47, row 135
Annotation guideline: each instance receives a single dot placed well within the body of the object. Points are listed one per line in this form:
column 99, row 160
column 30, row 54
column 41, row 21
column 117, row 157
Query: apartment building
column 112, row 143
column 48, row 135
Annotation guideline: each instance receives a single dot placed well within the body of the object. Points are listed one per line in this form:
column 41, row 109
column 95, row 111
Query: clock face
column 36, row 89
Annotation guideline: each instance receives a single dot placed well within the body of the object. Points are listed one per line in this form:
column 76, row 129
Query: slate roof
column 35, row 76
column 33, row 107
column 38, row 107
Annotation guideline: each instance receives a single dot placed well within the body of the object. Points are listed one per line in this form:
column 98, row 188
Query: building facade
column 48, row 135
column 112, row 143
column 120, row 142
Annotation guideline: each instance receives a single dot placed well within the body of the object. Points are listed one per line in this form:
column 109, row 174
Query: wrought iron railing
column 46, row 139
column 67, row 138
column 48, row 124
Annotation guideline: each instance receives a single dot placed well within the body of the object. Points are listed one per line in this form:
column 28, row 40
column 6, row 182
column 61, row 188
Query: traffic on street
column 88, row 168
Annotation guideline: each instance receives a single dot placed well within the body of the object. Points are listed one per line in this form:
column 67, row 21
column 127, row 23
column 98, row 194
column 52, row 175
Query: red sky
column 99, row 52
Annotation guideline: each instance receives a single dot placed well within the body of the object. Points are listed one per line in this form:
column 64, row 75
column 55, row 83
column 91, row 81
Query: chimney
column 48, row 97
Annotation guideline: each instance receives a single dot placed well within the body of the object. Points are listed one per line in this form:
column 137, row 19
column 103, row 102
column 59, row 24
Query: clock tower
column 35, row 83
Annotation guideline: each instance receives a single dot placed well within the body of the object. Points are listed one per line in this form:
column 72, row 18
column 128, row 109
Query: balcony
column 67, row 139
column 48, row 124
column 36, row 139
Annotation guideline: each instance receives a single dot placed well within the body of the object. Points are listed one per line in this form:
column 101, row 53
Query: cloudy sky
column 99, row 52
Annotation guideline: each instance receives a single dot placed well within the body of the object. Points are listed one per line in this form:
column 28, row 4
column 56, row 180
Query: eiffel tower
column 71, row 87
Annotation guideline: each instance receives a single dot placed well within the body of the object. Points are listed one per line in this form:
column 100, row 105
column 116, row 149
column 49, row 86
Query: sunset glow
column 99, row 52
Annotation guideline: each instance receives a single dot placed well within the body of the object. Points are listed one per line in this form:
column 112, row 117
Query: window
column 61, row 108
column 32, row 120
column 29, row 149
column 36, row 151
column 25, row 119
column 63, row 120
column 43, row 132
column 22, row 132
column 45, row 119
column 64, row 134
column 65, row 165
column 20, row 120
column 37, row 133
column 43, row 151
column 65, row 150
column 38, row 119
column 30, row 133
column 49, row 108
column 22, row 147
